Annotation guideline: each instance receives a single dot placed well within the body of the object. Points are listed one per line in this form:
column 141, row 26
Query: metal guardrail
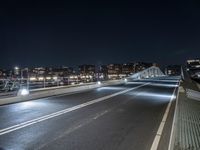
column 192, row 94
column 147, row 73
column 198, row 85
column 172, row 140
column 8, row 94
column 56, row 91
column 14, row 93
column 186, row 124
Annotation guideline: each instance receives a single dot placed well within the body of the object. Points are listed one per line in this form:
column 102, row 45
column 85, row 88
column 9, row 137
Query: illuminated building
column 114, row 71
column 193, row 68
column 193, row 64
column 87, row 73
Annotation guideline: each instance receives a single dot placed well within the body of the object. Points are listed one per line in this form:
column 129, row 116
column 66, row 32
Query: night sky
column 54, row 33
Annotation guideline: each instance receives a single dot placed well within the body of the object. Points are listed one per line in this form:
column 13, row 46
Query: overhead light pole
column 18, row 72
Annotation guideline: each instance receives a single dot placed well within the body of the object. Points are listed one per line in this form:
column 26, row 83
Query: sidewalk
column 187, row 118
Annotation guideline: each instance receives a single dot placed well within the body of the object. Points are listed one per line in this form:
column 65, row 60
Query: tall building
column 87, row 69
column 61, row 71
column 128, row 68
column 102, row 73
column 87, row 73
column 193, row 64
column 193, row 68
column 114, row 71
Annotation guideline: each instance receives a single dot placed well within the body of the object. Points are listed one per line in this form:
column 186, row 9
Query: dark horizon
column 56, row 33
column 76, row 66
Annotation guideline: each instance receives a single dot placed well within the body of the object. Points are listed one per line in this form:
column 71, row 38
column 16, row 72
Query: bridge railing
column 147, row 73
column 52, row 91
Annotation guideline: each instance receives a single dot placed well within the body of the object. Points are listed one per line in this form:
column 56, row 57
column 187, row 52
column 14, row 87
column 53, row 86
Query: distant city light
column 41, row 78
column 48, row 78
column 33, row 79
column 125, row 80
column 101, row 76
column 55, row 78
column 16, row 68
column 73, row 77
column 99, row 83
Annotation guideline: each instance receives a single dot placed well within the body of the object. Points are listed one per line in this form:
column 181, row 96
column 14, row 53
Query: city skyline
column 13, row 66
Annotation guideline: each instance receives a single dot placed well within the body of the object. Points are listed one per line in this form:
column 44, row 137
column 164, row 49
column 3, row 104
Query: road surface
column 120, row 117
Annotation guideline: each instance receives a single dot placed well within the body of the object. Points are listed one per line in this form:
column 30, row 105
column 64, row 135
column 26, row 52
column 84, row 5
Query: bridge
column 133, row 113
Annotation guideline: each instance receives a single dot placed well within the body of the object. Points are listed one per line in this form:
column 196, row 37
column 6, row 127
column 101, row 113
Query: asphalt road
column 121, row 117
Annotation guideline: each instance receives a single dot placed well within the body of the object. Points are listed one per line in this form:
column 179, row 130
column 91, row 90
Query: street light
column 16, row 68
column 23, row 92
column 20, row 72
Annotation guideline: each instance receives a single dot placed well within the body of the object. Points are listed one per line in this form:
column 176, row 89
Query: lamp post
column 44, row 81
column 27, row 78
column 16, row 72
column 21, row 76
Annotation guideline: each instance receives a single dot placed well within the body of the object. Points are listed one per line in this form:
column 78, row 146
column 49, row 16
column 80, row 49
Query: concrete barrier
column 47, row 92
column 198, row 85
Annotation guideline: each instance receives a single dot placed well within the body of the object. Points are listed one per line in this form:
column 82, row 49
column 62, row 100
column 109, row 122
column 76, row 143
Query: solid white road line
column 58, row 113
column 171, row 81
column 171, row 140
column 156, row 141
